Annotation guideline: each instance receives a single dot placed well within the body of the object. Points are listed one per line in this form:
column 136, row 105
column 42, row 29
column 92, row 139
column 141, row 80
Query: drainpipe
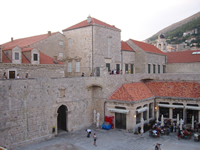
column 121, row 62
column 92, row 53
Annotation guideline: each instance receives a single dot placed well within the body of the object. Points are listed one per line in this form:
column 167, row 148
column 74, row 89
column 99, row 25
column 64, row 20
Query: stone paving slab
column 113, row 139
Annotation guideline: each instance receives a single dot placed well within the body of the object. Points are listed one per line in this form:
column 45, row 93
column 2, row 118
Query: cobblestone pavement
column 113, row 139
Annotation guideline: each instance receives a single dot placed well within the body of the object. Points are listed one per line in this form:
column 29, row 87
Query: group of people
column 17, row 77
column 114, row 72
column 89, row 131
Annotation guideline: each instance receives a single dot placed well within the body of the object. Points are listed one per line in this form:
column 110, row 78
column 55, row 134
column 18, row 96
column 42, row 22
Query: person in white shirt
column 88, row 132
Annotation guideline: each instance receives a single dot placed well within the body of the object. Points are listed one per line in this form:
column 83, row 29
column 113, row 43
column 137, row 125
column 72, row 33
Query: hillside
column 192, row 22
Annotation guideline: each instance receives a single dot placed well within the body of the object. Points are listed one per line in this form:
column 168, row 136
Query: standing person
column 82, row 74
column 95, row 139
column 17, row 76
column 88, row 132
column 157, row 147
column 4, row 75
column 179, row 134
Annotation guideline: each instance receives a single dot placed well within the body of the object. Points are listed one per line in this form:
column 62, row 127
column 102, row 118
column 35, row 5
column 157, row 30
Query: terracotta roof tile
column 148, row 47
column 132, row 92
column 175, row 89
column 126, row 47
column 26, row 41
column 5, row 58
column 24, row 60
column 44, row 59
column 84, row 24
column 183, row 56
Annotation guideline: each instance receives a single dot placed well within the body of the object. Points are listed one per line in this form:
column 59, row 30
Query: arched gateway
column 62, row 118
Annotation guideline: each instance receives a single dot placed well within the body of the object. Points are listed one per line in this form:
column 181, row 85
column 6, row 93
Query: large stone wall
column 102, row 49
column 29, row 106
column 128, row 58
column 34, row 71
column 183, row 67
column 80, row 49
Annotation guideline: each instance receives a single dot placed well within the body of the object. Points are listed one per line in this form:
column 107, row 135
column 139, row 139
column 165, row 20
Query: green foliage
column 176, row 36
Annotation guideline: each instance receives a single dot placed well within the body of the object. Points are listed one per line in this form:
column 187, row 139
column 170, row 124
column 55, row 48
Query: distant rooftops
column 24, row 42
column 147, row 47
column 126, row 47
column 183, row 56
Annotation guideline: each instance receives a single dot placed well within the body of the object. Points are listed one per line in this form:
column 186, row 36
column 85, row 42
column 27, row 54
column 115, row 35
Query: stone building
column 92, row 45
column 36, row 56
column 134, row 101
column 38, row 108
column 148, row 58
column 127, row 58
column 161, row 43
column 183, row 62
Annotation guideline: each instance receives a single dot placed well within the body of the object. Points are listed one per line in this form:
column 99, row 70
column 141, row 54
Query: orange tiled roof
column 132, row 92
column 44, row 59
column 93, row 21
column 26, row 41
column 175, row 89
column 147, row 47
column 5, row 58
column 126, row 47
column 183, row 56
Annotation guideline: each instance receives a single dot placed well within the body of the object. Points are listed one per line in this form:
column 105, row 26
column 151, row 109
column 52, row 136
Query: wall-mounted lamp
column 156, row 107
column 134, row 116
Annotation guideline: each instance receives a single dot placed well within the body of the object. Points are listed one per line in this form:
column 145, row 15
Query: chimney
column 49, row 33
column 11, row 39
column 55, row 59
column 89, row 19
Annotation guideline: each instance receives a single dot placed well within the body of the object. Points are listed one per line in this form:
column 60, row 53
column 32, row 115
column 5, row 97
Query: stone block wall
column 128, row 58
column 183, row 67
column 29, row 107
column 34, row 71
column 51, row 46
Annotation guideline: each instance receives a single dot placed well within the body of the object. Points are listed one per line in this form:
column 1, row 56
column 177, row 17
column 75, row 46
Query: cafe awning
column 171, row 106
column 140, row 110
column 123, row 111
column 192, row 107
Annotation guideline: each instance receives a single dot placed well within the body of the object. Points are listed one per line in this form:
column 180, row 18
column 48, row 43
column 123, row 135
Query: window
column 138, row 115
column 108, row 66
column 177, row 111
column 150, row 110
column 118, row 68
column 61, row 43
column 158, row 68
column 60, row 54
column 126, row 68
column 164, row 111
column 132, row 66
column 35, row 57
column 69, row 66
column 77, row 66
column 16, row 56
column 149, row 68
column 154, row 68
column 164, row 69
column 69, row 41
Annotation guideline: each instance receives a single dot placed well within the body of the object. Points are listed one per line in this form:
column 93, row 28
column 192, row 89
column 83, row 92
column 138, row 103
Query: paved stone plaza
column 113, row 139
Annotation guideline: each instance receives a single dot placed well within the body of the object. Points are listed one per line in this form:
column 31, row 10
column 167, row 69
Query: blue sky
column 137, row 20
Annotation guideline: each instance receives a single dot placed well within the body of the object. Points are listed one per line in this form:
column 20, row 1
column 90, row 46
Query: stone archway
column 62, row 118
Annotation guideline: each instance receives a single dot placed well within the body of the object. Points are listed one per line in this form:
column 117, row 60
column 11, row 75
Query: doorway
column 11, row 74
column 62, row 118
column 120, row 121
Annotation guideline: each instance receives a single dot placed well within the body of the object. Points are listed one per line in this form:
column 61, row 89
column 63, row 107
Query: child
column 95, row 139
